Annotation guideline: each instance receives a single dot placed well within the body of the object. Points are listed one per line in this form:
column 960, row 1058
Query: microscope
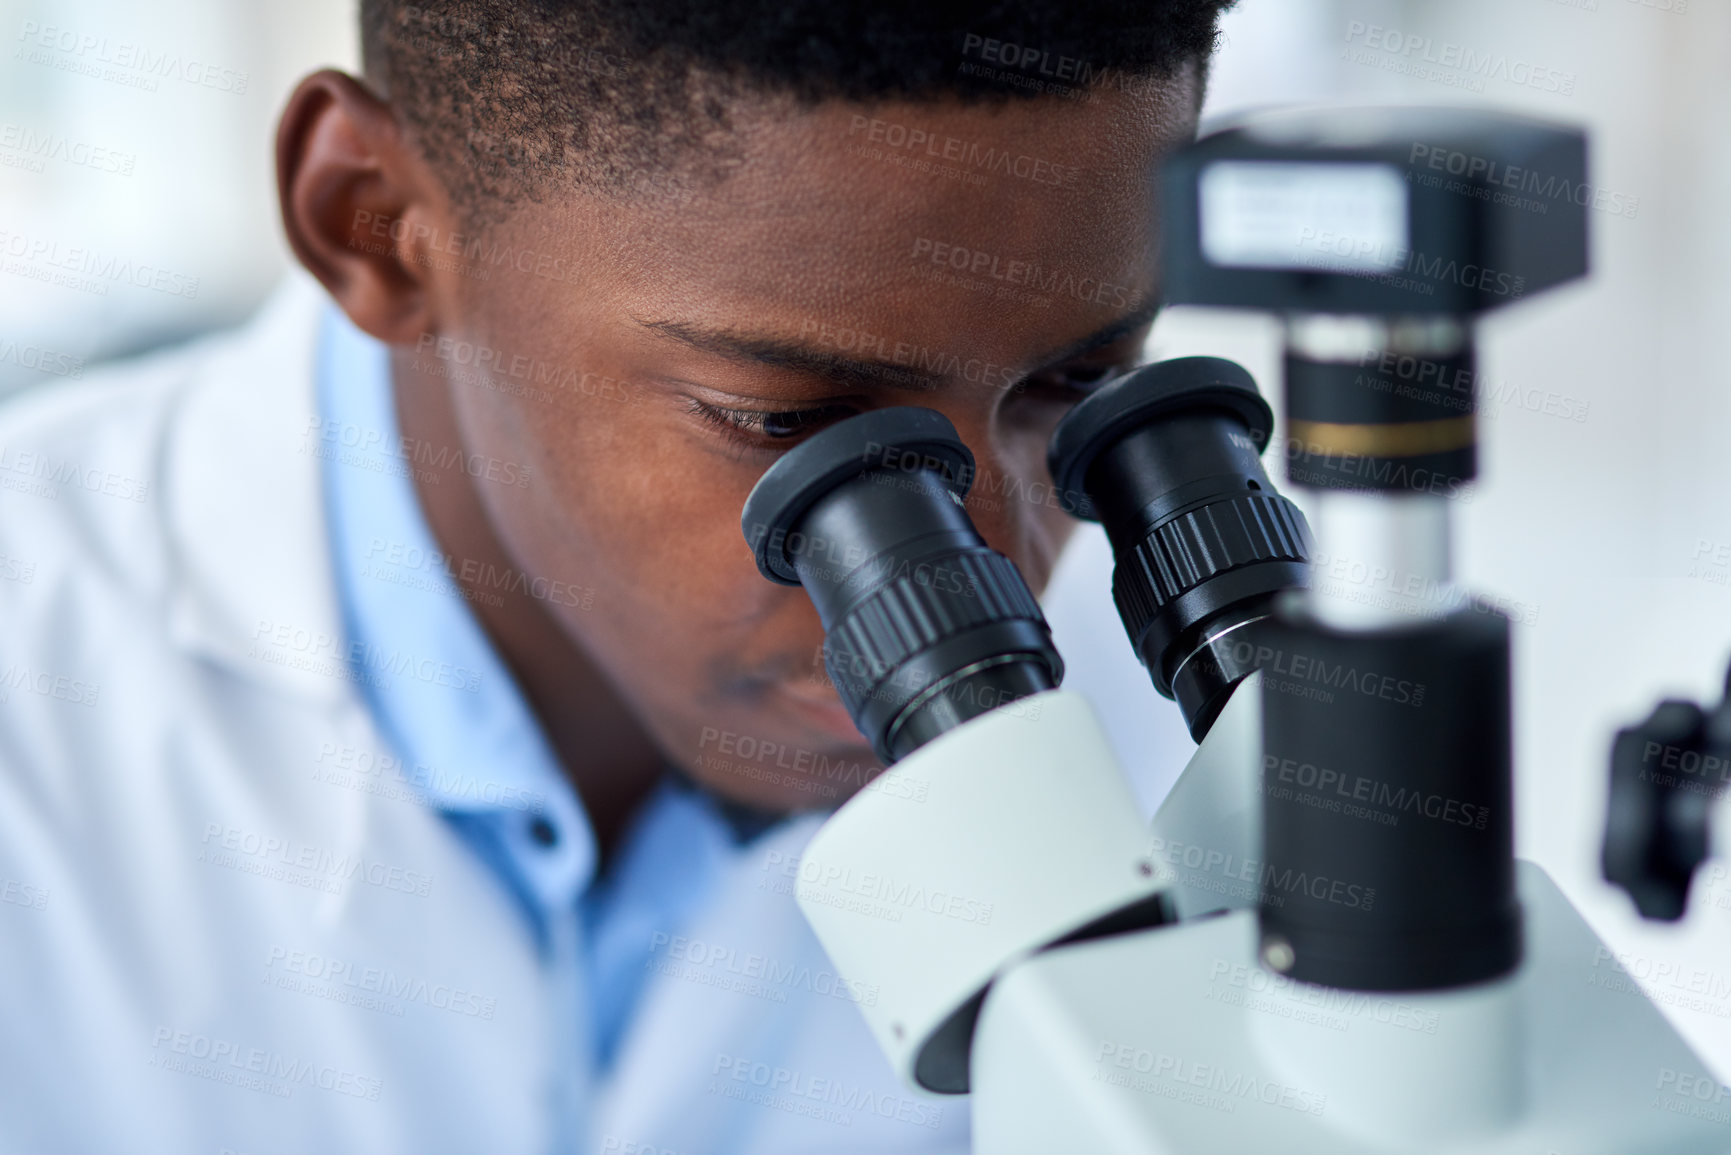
column 1324, row 942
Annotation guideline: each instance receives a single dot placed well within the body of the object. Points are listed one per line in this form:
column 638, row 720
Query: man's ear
column 357, row 203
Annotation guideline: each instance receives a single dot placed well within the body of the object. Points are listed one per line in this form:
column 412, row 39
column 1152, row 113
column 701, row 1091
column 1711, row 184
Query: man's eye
column 759, row 426
column 1073, row 378
column 1084, row 376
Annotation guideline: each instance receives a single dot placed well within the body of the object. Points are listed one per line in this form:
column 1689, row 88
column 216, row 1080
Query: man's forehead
column 990, row 173
column 826, row 247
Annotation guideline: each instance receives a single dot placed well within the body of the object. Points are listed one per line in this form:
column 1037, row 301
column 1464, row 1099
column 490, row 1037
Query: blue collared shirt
column 461, row 722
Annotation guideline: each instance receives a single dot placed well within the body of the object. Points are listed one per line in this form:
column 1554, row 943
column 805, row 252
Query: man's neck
column 605, row 753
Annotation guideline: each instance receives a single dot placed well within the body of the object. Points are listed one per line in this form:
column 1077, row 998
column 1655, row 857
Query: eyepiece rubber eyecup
column 1132, row 400
column 903, row 437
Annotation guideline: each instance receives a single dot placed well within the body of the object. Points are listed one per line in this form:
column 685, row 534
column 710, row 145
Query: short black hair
column 507, row 97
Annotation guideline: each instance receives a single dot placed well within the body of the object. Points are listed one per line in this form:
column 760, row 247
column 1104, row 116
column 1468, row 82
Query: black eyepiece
column 925, row 625
column 1168, row 459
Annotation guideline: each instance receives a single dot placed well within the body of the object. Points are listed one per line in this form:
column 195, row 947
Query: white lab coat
column 178, row 972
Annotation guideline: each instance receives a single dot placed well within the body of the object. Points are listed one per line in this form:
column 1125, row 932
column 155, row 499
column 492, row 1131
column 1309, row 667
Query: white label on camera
column 1261, row 214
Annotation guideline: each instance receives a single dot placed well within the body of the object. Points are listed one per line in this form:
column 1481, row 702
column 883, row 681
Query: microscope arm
column 1002, row 836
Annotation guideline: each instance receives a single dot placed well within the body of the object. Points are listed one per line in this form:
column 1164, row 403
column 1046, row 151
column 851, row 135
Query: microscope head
column 1384, row 212
column 1379, row 236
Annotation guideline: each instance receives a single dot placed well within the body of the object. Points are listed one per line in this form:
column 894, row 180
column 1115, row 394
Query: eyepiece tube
column 1168, row 459
column 925, row 625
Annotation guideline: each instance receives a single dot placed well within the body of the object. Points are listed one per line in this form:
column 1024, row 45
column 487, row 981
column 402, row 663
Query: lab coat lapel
column 244, row 506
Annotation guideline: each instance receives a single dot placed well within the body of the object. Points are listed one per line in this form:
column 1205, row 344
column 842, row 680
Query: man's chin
column 793, row 751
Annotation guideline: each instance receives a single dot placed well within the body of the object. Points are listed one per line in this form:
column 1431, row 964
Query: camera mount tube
column 1386, row 691
column 1381, row 558
column 1380, row 403
column 925, row 625
column 1388, row 807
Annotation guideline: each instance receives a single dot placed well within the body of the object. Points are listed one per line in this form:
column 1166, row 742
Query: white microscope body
column 1323, row 943
column 1175, row 1040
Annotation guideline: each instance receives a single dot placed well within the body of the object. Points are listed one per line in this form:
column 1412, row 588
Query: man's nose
column 1011, row 500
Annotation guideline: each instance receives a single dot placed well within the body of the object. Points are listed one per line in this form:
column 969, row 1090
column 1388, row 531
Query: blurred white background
column 1605, row 529
column 130, row 165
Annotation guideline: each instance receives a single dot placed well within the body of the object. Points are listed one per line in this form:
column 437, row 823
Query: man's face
column 988, row 262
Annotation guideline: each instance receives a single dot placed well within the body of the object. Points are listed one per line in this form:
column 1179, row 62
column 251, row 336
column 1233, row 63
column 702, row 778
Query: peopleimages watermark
column 466, row 578
column 327, row 438
column 1711, row 561
column 1524, row 187
column 1682, row 768
column 303, row 864
column 1315, row 464
column 748, row 972
column 39, row 473
column 285, row 644
column 1313, row 677
column 829, row 558
column 1448, row 62
column 121, row 62
column 16, row 893
column 871, row 679
column 1251, row 880
column 369, row 987
column 372, row 772
column 828, row 1100
column 1041, row 70
column 1406, row 268
column 1406, row 592
column 21, row 678
column 1360, row 797
column 729, row 751
column 910, row 463
column 27, row 355
column 1662, row 981
column 1712, row 888
column 970, row 155
column 31, row 150
column 985, row 266
column 477, row 256
column 86, row 269
column 1450, row 386
column 873, row 894
column 1240, row 984
column 1118, row 1064
column 253, row 1068
column 14, row 569
column 922, row 364
column 516, row 374
column 1698, row 1096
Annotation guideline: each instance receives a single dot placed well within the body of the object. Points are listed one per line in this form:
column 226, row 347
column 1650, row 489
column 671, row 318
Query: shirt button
column 543, row 833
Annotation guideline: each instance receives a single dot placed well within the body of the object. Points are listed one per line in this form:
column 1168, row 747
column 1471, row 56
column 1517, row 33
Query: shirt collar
column 438, row 690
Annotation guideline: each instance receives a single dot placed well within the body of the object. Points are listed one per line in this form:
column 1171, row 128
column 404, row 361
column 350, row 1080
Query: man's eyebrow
column 1123, row 326
column 783, row 353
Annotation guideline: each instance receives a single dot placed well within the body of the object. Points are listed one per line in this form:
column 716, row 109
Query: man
column 397, row 742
